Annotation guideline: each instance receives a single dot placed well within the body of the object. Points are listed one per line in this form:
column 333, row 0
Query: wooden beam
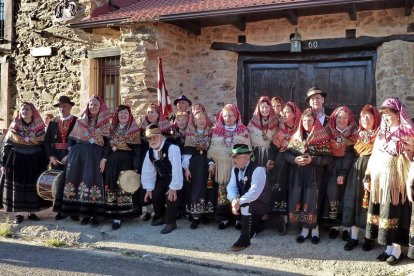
column 363, row 42
column 352, row 11
column 409, row 4
column 239, row 24
column 292, row 17
column 189, row 26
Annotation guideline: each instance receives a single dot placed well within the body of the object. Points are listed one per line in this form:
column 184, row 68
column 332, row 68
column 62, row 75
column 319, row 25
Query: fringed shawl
column 129, row 134
column 93, row 131
column 26, row 134
column 219, row 129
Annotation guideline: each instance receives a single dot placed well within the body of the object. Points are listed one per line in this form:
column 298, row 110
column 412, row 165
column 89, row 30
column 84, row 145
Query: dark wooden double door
column 347, row 78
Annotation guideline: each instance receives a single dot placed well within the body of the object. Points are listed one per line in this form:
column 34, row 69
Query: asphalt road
column 17, row 258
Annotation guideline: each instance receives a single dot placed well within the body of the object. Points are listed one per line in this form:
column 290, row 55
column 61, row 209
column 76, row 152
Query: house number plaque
column 313, row 44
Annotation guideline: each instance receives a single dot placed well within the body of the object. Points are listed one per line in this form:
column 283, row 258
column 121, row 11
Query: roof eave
column 100, row 23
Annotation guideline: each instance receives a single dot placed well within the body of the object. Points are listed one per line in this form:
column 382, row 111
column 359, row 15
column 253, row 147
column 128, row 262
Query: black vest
column 163, row 165
column 261, row 205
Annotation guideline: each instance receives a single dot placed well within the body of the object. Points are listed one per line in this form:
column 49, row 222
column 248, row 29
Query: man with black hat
column 56, row 143
column 162, row 177
column 248, row 193
column 316, row 99
column 183, row 104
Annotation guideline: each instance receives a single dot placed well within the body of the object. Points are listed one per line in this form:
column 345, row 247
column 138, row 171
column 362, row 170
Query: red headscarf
column 256, row 120
column 284, row 133
column 132, row 129
column 219, row 129
column 163, row 122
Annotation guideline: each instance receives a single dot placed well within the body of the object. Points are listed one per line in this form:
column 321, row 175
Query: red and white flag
column 162, row 93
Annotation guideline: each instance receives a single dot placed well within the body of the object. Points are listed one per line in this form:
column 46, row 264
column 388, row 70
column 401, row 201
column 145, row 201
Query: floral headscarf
column 130, row 134
column 256, row 120
column 366, row 138
column 284, row 133
column 90, row 131
column 163, row 122
column 219, row 129
column 195, row 139
column 26, row 134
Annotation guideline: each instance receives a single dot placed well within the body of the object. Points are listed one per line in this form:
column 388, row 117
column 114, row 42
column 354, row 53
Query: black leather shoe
column 392, row 260
column 334, row 233
column 157, row 222
column 350, row 244
column 383, row 257
column 223, row 225
column 345, row 235
column 33, row 217
column 301, row 239
column 94, row 221
column 59, row 216
column 195, row 223
column 19, row 219
column 368, row 245
column 315, row 239
column 168, row 228
column 238, row 225
column 116, row 225
column 242, row 243
column 85, row 220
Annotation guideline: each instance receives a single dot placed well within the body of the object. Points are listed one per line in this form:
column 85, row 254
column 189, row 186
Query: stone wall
column 190, row 66
column 395, row 73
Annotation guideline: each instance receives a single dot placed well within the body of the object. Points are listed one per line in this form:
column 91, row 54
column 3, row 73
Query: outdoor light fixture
column 296, row 43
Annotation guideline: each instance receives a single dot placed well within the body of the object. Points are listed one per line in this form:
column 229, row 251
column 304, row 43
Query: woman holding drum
column 125, row 155
column 89, row 148
column 23, row 161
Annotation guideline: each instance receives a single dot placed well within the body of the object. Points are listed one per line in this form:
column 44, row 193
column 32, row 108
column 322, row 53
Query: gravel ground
column 209, row 247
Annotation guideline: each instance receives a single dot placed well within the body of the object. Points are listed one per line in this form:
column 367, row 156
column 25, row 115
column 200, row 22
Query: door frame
column 242, row 96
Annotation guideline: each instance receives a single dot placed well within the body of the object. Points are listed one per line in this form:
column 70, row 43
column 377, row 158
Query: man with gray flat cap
column 316, row 100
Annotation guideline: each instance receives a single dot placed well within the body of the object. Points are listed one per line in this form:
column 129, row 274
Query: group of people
column 310, row 168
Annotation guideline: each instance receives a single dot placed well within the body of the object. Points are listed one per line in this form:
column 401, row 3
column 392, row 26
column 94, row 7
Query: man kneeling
column 247, row 192
column 162, row 176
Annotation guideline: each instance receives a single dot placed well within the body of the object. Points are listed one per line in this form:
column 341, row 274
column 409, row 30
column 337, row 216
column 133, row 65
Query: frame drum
column 129, row 181
column 47, row 182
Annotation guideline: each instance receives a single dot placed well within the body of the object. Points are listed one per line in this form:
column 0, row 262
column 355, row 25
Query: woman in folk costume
column 261, row 128
column 153, row 116
column 343, row 132
column 277, row 105
column 389, row 211
column 23, row 161
column 228, row 131
column 178, row 129
column 308, row 152
column 84, row 194
column 356, row 197
column 278, row 166
column 202, row 194
column 125, row 155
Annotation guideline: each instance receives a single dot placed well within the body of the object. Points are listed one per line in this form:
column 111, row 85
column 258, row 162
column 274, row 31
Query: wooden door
column 347, row 79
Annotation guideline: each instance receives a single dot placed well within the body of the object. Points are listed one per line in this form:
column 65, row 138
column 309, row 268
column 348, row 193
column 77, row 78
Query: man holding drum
column 56, row 144
column 161, row 177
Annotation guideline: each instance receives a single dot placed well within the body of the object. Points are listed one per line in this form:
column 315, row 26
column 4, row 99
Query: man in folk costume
column 248, row 193
column 316, row 100
column 183, row 104
column 162, row 177
column 56, row 142
column 228, row 131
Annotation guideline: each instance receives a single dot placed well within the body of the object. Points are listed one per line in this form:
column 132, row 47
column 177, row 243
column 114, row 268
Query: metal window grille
column 107, row 82
column 1, row 20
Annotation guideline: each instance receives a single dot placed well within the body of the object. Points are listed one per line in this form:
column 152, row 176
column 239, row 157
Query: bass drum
column 129, row 181
column 46, row 185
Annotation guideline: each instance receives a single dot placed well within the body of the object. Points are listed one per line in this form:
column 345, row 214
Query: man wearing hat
column 248, row 193
column 183, row 104
column 162, row 177
column 316, row 99
column 56, row 143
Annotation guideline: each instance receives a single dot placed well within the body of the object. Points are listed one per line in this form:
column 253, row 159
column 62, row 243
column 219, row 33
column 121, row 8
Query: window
column 107, row 82
column 1, row 20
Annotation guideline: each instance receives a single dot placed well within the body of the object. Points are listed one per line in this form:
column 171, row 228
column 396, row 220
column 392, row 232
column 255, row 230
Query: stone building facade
column 191, row 65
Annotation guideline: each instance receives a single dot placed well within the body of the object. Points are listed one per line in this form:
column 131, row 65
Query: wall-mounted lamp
column 296, row 42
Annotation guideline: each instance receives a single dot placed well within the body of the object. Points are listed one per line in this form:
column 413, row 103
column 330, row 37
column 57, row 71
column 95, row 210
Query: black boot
column 246, row 232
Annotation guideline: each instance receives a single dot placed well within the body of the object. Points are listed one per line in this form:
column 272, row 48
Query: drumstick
column 59, row 162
